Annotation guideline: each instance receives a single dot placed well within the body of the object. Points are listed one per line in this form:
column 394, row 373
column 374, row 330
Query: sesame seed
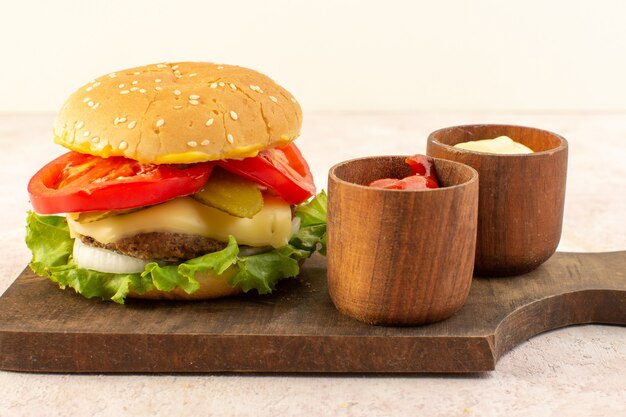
column 124, row 92
column 205, row 142
column 86, row 133
column 132, row 124
column 161, row 66
column 221, row 84
column 209, row 122
column 95, row 139
column 175, row 67
column 274, row 99
column 193, row 74
column 95, row 106
column 136, row 73
column 113, row 75
column 214, row 85
column 178, row 107
column 91, row 103
column 134, row 88
column 194, row 102
column 293, row 100
column 230, row 139
column 194, row 97
column 233, row 115
column 121, row 86
column 122, row 120
column 80, row 124
column 233, row 86
column 160, row 123
column 255, row 88
column 143, row 90
column 123, row 145
column 158, row 88
column 86, row 99
column 177, row 74
column 192, row 143
column 135, row 82
column 88, row 89
column 220, row 67
column 158, row 80
column 177, row 92
column 96, row 84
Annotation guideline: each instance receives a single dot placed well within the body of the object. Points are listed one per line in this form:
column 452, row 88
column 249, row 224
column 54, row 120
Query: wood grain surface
column 44, row 329
column 400, row 257
column 521, row 196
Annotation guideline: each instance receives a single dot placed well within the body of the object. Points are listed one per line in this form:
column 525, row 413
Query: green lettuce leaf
column 313, row 212
column 312, row 233
column 49, row 240
column 46, row 236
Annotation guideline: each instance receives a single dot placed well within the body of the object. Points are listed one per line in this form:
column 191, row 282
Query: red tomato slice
column 76, row 182
column 422, row 165
column 389, row 183
column 413, row 182
column 417, row 182
column 282, row 170
column 424, row 176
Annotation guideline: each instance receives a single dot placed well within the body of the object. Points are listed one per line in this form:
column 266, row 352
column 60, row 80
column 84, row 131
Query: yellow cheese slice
column 270, row 227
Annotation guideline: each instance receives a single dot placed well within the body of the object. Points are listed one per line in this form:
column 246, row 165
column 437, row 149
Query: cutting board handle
column 586, row 288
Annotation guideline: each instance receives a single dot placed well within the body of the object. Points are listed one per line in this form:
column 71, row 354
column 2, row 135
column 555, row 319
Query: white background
column 333, row 55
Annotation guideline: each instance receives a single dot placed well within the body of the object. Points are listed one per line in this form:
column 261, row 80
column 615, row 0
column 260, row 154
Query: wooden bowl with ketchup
column 400, row 257
column 521, row 196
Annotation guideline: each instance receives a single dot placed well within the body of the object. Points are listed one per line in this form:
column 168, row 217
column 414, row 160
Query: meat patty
column 161, row 246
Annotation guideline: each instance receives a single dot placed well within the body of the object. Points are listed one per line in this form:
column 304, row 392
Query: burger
column 182, row 182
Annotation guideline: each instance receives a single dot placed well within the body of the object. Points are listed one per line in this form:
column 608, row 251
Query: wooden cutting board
column 44, row 329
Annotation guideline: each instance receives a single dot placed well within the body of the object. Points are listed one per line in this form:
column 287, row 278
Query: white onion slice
column 104, row 260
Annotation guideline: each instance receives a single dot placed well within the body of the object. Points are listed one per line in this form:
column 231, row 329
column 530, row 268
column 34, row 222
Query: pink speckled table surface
column 576, row 371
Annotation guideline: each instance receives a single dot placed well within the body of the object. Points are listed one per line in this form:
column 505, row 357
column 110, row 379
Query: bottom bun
column 211, row 286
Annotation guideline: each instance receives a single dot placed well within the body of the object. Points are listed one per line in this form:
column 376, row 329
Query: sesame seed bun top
column 183, row 112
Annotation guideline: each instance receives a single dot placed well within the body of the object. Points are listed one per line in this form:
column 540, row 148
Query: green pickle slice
column 230, row 193
column 94, row 216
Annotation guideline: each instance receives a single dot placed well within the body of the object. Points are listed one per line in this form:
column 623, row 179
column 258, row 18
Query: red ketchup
column 424, row 176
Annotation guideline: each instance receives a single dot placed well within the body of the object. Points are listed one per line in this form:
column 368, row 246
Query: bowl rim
column 332, row 175
column 562, row 146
